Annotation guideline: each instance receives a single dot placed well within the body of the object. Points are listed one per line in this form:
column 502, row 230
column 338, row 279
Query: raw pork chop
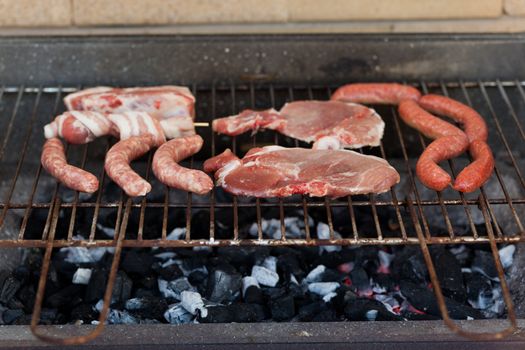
column 329, row 124
column 275, row 171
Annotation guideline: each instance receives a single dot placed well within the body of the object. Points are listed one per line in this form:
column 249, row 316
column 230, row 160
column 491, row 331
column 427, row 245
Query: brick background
column 238, row 16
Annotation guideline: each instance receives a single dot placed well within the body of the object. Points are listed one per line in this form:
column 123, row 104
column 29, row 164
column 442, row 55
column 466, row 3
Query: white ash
column 133, row 304
column 323, row 288
column 170, row 262
column 293, row 279
column 390, row 303
column 270, row 263
column 323, row 232
column 176, row 234
column 176, row 314
column 506, row 255
column 329, row 296
column 265, row 276
column 293, row 226
column 316, row 274
column 98, row 306
column 82, row 276
column 192, row 302
column 165, row 255
column 385, row 259
column 173, row 289
column 108, row 231
column 121, row 317
column 371, row 315
column 83, row 255
column 247, row 282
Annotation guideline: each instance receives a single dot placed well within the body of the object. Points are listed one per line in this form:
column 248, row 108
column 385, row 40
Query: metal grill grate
column 491, row 215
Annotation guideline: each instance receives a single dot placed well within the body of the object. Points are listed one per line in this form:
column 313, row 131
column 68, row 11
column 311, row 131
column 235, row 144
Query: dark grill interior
column 489, row 216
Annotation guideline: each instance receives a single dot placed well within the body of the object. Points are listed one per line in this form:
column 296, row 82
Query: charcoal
column 425, row 301
column 223, row 285
column 289, row 263
column 121, row 317
column 360, row 281
column 84, row 312
column 244, row 313
column 148, row 282
column 198, row 277
column 9, row 316
column 236, row 256
column 97, row 285
column 48, row 316
column 295, row 290
column 419, row 317
column 315, row 275
column 67, row 297
column 385, row 281
column 323, row 288
column 122, row 288
column 192, row 302
column 9, row 285
column 253, row 295
column 147, row 307
column 282, row 309
column 173, row 289
column 14, row 303
column 484, row 263
column 409, row 265
column 331, row 260
column 359, row 310
column 270, row 263
column 82, row 276
column 27, row 295
column 168, row 273
column 449, row 274
column 144, row 293
column 274, row 293
column 326, row 315
column 264, row 276
column 65, row 268
column 330, row 275
column 22, row 273
column 138, row 263
column 217, row 314
column 307, row 312
column 506, row 255
column 478, row 287
column 176, row 314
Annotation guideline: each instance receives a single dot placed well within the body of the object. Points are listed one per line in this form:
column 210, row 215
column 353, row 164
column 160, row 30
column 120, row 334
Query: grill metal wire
column 501, row 103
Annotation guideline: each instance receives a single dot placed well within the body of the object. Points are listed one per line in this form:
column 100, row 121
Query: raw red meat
column 329, row 124
column 162, row 102
column 275, row 171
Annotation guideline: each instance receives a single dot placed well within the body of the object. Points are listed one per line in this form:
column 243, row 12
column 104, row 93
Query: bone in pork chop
column 329, row 124
column 275, row 171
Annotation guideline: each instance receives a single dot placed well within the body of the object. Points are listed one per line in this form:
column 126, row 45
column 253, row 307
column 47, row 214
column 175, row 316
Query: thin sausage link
column 473, row 124
column 477, row 172
column 449, row 142
column 170, row 173
column 55, row 163
column 376, row 93
column 117, row 163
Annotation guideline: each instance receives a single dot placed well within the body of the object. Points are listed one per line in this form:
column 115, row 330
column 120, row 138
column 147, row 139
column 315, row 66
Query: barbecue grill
column 30, row 98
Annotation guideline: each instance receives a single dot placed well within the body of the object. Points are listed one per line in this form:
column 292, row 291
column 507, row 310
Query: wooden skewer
column 201, row 124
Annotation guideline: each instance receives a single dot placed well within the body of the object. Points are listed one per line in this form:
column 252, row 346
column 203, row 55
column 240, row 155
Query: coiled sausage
column 480, row 170
column 449, row 142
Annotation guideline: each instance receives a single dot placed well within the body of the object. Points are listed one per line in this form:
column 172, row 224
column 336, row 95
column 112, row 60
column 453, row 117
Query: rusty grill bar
column 26, row 110
column 229, row 101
